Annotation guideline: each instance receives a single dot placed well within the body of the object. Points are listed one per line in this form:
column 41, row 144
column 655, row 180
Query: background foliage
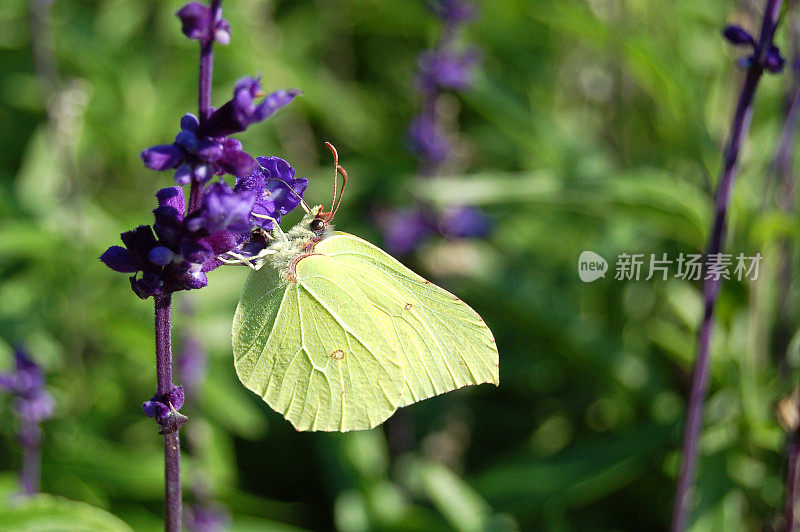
column 593, row 124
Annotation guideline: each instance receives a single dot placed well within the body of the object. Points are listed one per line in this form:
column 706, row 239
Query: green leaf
column 47, row 513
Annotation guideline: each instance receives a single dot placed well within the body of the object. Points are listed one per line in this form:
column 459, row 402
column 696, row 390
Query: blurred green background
column 592, row 125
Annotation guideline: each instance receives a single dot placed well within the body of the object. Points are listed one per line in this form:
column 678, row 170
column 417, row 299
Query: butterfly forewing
column 442, row 343
column 315, row 356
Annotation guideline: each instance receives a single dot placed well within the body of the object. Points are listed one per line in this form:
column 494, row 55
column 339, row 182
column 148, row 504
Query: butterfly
column 336, row 334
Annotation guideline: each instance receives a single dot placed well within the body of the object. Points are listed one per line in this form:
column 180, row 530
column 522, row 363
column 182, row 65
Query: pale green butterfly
column 336, row 334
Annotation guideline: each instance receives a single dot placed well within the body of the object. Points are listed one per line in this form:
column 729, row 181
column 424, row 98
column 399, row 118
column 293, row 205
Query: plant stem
column 30, row 474
column 204, row 93
column 172, row 451
column 711, row 286
column 207, row 66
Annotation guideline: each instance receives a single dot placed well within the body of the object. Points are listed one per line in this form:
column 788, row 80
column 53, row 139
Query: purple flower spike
column 176, row 252
column 464, row 222
column 200, row 152
column 33, row 404
column 427, row 140
column 738, row 36
column 199, row 24
column 241, row 111
column 277, row 191
column 446, row 69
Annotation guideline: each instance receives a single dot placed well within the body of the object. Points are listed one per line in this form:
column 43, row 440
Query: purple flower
column 200, row 24
column 177, row 251
column 32, row 404
column 427, row 140
column 206, row 518
column 164, row 408
column 737, row 35
column 464, row 222
column 453, row 11
column 224, row 210
column 241, row 111
column 198, row 158
column 404, row 229
column 446, row 69
column 277, row 191
column 169, row 256
column 772, row 62
column 200, row 152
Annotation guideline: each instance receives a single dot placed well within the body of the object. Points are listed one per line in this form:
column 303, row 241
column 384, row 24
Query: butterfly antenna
column 336, row 171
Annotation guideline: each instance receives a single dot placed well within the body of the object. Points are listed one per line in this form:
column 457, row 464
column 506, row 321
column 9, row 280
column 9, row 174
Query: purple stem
column 204, row 93
column 428, row 167
column 738, row 131
column 172, row 447
column 207, row 65
column 30, row 474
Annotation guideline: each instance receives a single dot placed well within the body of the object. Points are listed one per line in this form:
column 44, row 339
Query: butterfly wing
column 311, row 349
column 443, row 344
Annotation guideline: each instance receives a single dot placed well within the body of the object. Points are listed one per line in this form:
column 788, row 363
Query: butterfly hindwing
column 310, row 349
column 442, row 343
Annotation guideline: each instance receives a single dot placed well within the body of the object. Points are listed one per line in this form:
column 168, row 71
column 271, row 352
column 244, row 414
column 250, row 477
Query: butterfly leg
column 255, row 262
column 275, row 227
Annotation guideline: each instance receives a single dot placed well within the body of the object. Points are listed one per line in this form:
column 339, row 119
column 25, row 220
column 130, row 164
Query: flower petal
column 162, row 157
column 118, row 259
column 196, row 19
column 236, row 162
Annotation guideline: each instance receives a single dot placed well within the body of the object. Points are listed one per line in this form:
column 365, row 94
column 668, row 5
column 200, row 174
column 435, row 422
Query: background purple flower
column 464, row 222
column 404, row 229
column 32, row 405
column 443, row 68
column 26, row 383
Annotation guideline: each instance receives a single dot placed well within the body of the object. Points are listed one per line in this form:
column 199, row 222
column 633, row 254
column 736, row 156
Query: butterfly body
column 335, row 334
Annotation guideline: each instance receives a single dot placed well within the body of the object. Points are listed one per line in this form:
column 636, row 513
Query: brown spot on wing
column 337, row 355
column 408, row 306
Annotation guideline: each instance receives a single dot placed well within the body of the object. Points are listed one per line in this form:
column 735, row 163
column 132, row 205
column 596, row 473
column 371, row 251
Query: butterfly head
column 317, row 220
column 316, row 224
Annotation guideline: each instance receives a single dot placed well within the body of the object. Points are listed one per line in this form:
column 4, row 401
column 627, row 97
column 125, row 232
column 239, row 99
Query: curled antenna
column 337, row 170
